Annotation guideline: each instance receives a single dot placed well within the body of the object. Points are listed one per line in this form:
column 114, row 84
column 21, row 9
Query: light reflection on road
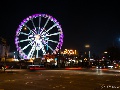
column 93, row 71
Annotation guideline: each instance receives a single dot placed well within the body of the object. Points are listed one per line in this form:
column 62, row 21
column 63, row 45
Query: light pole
column 88, row 46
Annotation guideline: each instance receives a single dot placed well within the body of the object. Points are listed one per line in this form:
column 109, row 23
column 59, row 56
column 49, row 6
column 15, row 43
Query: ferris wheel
column 38, row 35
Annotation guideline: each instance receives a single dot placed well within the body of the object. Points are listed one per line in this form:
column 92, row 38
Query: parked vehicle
column 116, row 66
column 101, row 66
column 35, row 67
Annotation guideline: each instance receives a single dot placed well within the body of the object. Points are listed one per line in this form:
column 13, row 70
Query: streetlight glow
column 87, row 46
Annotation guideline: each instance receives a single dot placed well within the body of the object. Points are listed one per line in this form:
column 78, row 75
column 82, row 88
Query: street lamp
column 88, row 46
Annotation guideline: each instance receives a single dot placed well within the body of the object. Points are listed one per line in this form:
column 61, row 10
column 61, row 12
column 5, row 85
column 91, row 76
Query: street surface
column 82, row 79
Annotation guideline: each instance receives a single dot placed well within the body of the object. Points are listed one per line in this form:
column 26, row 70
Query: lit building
column 70, row 57
column 69, row 51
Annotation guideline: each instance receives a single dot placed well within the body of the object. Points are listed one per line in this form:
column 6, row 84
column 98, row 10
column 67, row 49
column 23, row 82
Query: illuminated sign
column 66, row 51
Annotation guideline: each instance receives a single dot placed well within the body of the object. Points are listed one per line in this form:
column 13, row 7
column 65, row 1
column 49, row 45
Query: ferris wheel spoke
column 43, row 50
column 46, row 38
column 51, row 27
column 24, row 33
column 33, row 23
column 54, row 34
column 46, row 23
column 27, row 46
column 25, row 40
column 41, row 32
column 37, row 54
column 31, row 51
column 53, row 41
column 50, row 48
column 27, row 27
column 30, row 30
column 39, row 22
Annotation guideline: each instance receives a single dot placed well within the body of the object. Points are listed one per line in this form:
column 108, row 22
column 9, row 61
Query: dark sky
column 83, row 22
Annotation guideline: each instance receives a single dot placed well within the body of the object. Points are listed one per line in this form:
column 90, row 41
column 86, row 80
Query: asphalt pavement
column 83, row 79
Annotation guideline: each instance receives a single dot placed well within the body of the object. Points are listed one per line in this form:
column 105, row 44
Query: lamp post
column 89, row 56
column 88, row 46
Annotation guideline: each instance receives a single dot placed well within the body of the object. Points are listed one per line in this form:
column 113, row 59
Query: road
column 83, row 79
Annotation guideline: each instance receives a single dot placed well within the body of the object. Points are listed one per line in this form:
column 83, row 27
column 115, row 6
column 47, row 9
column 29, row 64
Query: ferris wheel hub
column 37, row 37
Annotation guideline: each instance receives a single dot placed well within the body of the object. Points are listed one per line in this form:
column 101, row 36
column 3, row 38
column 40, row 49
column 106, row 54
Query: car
column 35, row 67
column 116, row 66
column 100, row 67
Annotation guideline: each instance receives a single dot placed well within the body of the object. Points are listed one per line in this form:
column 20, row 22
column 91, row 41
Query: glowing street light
column 105, row 52
column 88, row 46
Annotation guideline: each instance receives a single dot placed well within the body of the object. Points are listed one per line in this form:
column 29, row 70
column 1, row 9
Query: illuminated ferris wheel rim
column 56, row 24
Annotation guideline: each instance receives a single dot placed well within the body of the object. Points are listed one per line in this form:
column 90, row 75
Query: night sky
column 83, row 22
